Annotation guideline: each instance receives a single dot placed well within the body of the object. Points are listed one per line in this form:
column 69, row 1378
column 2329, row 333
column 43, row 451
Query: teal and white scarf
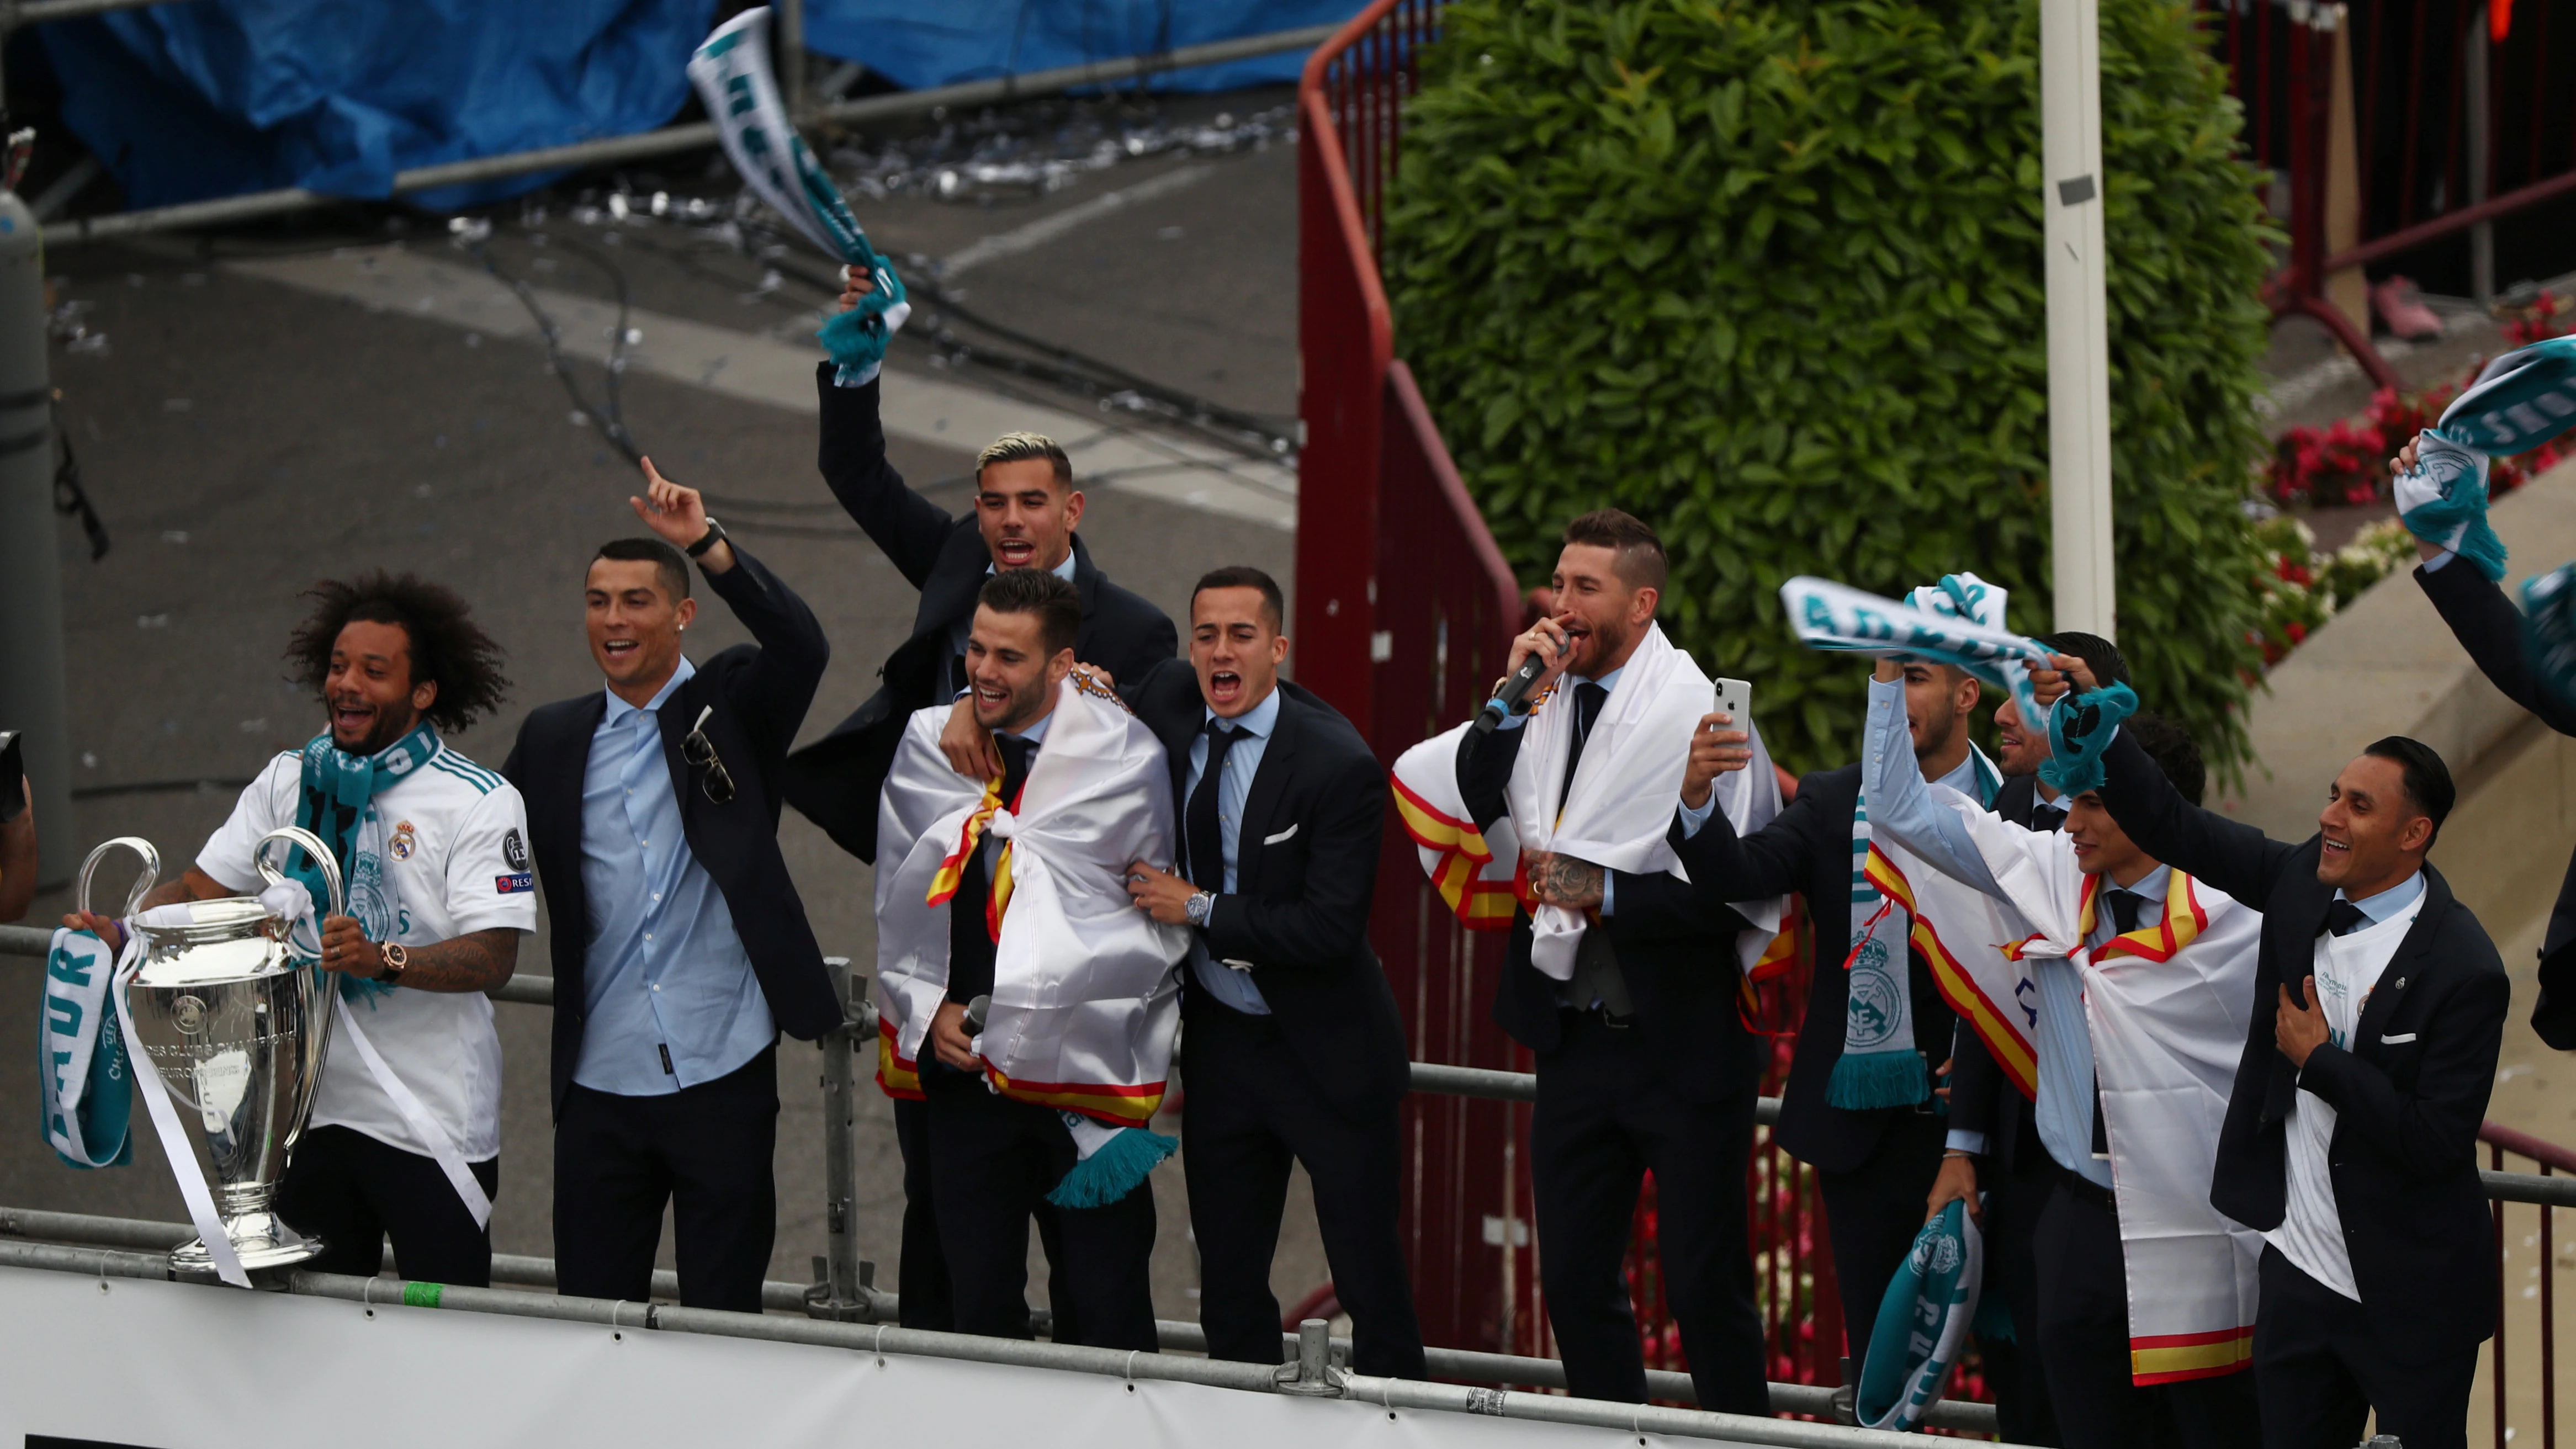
column 1958, row 621
column 732, row 73
column 86, row 1082
column 2520, row 401
column 1880, row 1066
column 337, row 789
column 1923, row 1322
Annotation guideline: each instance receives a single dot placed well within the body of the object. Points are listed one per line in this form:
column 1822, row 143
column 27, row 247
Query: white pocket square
column 2386, row 1040
column 1282, row 835
column 1234, row 964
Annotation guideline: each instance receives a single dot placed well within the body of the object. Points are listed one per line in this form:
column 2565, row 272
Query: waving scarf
column 1620, row 802
column 1880, row 1065
column 86, row 1083
column 337, row 788
column 1086, row 999
column 732, row 73
column 2443, row 501
column 2167, row 1007
column 1477, row 872
column 1843, row 620
column 1922, row 1322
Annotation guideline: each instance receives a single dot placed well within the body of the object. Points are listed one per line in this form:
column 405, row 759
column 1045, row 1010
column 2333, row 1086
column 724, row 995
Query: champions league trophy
column 235, row 1022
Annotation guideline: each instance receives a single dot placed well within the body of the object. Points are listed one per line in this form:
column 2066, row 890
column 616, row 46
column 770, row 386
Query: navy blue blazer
column 758, row 693
column 836, row 780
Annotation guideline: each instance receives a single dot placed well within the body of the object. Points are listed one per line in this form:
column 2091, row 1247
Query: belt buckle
column 1614, row 1021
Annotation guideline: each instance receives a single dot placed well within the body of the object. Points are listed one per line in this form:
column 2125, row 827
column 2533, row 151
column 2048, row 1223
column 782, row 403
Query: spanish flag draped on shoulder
column 1616, row 815
column 1086, row 994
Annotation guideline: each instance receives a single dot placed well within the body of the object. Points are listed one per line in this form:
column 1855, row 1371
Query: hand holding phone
column 1721, row 745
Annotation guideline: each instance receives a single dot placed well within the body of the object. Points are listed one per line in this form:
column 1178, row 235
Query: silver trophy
column 236, row 1022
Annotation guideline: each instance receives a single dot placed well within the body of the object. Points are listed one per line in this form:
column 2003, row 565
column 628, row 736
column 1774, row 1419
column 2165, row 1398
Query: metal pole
column 2079, row 373
column 2481, row 236
column 31, row 586
column 844, row 1280
column 790, row 55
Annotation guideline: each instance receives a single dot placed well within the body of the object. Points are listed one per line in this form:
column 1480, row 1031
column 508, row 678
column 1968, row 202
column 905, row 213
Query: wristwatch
column 395, row 958
column 715, row 535
column 1199, row 906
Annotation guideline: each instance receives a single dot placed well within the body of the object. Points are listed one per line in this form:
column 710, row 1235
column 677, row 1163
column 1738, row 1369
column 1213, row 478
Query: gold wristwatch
column 395, row 958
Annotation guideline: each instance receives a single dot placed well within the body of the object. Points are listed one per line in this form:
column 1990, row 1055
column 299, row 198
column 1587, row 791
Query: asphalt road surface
column 243, row 437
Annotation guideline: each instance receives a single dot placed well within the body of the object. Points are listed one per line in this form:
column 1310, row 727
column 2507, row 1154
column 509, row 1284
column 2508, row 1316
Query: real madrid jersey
column 441, row 853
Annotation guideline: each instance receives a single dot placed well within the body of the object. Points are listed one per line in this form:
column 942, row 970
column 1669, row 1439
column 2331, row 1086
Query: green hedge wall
column 1768, row 276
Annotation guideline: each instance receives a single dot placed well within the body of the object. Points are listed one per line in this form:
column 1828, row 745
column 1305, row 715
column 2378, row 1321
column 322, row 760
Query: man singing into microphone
column 1622, row 976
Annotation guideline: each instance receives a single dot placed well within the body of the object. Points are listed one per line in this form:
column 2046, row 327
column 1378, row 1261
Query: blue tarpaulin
column 221, row 97
column 917, row 45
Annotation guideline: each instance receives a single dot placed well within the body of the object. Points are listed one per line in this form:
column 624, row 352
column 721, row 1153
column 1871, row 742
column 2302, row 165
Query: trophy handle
column 142, row 883
column 312, row 845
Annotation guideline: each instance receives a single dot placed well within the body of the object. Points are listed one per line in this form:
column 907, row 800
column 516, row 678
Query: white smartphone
column 1735, row 699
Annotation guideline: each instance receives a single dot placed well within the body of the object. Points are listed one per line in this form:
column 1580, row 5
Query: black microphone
column 976, row 1011
column 1514, row 690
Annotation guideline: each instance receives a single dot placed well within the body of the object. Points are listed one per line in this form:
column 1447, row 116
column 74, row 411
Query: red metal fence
column 2532, row 1289
column 1405, row 610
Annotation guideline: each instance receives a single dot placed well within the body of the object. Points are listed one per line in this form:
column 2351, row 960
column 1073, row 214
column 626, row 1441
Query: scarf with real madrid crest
column 1086, row 988
column 335, row 801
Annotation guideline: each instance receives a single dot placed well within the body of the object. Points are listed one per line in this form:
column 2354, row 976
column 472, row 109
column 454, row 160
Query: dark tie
column 1588, row 699
column 2125, row 907
column 970, row 940
column 2343, row 918
column 1206, row 832
column 2045, row 818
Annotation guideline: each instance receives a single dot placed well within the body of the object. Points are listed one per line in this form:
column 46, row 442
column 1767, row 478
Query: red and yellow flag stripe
column 2011, row 1051
column 952, row 868
column 895, row 1076
column 1117, row 1106
column 1460, row 856
column 2169, row 1358
column 2185, row 918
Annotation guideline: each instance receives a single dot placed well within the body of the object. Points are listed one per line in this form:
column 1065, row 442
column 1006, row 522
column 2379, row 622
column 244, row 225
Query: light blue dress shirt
column 1902, row 807
column 669, row 991
column 1252, row 730
column 2390, row 901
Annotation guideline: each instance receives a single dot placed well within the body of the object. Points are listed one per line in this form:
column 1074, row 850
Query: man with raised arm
column 1623, row 970
column 680, row 945
column 404, row 1141
column 2140, row 980
column 1025, row 511
column 2351, row 1134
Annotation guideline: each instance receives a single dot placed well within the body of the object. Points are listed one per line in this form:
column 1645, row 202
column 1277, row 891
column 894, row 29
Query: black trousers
column 704, row 1150
column 1603, row 1120
column 2015, row 1199
column 1872, row 1214
column 2083, row 1337
column 1252, row 1108
column 992, row 1162
column 922, row 1276
column 2321, row 1370
column 353, row 1192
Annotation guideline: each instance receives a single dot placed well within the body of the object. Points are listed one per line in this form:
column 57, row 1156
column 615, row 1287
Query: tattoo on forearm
column 476, row 962
column 1567, row 879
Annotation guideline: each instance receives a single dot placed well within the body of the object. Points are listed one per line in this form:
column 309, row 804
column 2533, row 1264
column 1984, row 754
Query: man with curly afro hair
column 431, row 850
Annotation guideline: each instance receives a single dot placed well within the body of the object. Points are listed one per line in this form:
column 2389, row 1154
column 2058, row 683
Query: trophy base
column 275, row 1245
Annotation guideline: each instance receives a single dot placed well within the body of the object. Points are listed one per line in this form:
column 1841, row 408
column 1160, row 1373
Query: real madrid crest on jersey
column 404, row 841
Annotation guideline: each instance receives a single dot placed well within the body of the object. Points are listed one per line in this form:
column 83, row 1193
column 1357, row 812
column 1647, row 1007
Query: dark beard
column 389, row 728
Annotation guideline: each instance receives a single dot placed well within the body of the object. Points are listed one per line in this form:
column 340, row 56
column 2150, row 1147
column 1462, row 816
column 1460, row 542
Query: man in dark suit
column 1875, row 1165
column 1993, row 1137
column 2351, row 1137
column 1644, row 1063
column 680, row 947
column 2489, row 626
column 1292, row 1049
column 1026, row 509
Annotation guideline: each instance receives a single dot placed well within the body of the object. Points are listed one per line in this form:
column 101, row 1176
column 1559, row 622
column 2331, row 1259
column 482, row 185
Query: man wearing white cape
column 1024, row 999
column 2142, row 981
column 1621, row 974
